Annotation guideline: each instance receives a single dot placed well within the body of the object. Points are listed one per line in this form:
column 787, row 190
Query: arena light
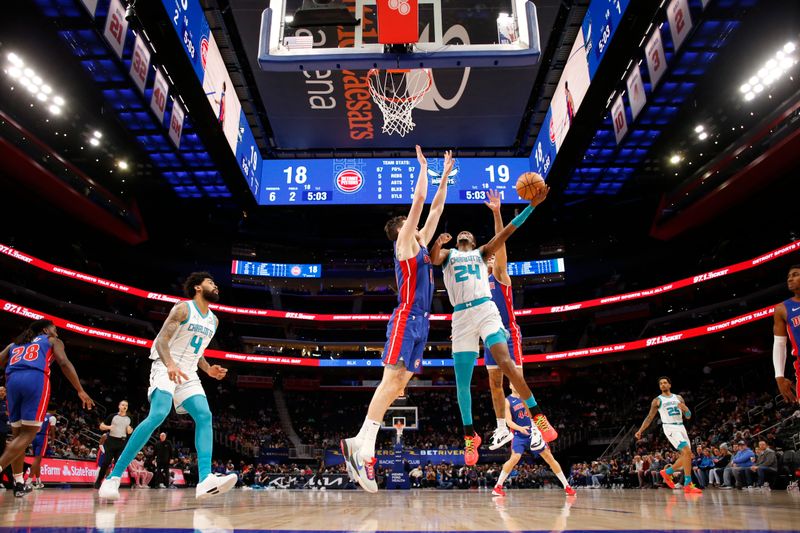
column 15, row 60
column 94, row 142
column 702, row 136
column 26, row 77
column 122, row 164
column 772, row 70
column 97, row 134
column 675, row 159
column 699, row 128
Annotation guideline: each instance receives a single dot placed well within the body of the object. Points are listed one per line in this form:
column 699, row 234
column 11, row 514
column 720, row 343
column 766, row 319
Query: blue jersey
column 414, row 282
column 793, row 329
column 519, row 414
column 36, row 355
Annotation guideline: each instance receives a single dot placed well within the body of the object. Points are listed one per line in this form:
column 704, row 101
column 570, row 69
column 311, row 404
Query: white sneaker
column 109, row 490
column 215, row 484
column 360, row 468
column 500, row 437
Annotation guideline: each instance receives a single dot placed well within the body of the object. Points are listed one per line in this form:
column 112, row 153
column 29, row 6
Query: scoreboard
column 385, row 181
column 275, row 270
column 536, row 268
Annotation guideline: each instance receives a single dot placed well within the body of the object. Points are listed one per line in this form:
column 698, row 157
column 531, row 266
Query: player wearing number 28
column 177, row 354
column 476, row 317
column 28, row 385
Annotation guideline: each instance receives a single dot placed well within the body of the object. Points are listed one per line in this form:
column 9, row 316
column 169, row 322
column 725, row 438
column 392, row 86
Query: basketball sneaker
column 667, row 478
column 548, row 432
column 109, row 490
column 569, row 491
column 471, row 445
column 691, row 489
column 498, row 491
column 500, row 437
column 21, row 489
column 215, row 484
column 360, row 469
column 37, row 485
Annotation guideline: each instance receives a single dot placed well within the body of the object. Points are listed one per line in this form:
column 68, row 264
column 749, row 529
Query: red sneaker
column 498, row 491
column 570, row 491
column 548, row 432
column 667, row 479
column 691, row 489
column 471, row 445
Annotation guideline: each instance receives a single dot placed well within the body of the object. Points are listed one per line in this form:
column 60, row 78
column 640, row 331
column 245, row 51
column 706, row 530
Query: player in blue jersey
column 526, row 437
column 177, row 354
column 787, row 325
column 407, row 331
column 475, row 318
column 502, row 295
column 39, row 450
column 28, row 385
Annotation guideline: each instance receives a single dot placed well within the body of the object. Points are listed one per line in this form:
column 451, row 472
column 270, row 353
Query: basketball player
column 177, row 354
column 39, row 445
column 221, row 104
column 787, row 323
column 475, row 317
column 526, row 437
column 28, row 383
column 407, row 331
column 500, row 286
column 673, row 410
column 118, row 427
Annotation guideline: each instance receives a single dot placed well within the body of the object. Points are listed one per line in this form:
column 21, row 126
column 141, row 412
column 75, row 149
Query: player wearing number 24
column 28, row 383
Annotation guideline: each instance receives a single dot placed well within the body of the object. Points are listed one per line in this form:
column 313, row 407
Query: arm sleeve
column 779, row 355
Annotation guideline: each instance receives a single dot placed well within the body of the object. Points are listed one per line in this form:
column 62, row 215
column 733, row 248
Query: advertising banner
column 79, row 471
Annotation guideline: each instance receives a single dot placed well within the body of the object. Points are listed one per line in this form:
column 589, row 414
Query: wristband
column 687, row 414
column 522, row 217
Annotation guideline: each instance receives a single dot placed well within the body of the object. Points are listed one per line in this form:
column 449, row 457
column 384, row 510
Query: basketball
column 529, row 184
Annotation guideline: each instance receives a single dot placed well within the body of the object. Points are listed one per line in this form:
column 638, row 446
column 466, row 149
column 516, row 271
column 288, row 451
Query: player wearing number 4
column 177, row 354
column 672, row 410
column 475, row 317
column 407, row 332
column 28, row 388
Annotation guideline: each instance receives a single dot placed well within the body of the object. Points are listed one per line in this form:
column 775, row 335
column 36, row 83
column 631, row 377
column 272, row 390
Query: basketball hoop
column 397, row 92
column 398, row 427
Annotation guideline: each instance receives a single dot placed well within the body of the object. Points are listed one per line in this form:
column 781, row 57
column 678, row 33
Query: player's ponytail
column 32, row 331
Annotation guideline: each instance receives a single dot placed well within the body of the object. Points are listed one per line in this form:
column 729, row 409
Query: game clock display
column 385, row 181
column 275, row 270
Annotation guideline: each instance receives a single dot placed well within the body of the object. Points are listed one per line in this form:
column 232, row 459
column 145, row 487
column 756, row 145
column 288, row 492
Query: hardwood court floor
column 282, row 510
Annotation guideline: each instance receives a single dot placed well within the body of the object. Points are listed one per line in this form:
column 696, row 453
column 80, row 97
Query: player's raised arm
column 406, row 237
column 178, row 314
column 4, row 355
column 437, row 253
column 499, row 239
column 69, row 371
column 687, row 414
column 499, row 270
column 785, row 386
column 437, row 206
column 649, row 419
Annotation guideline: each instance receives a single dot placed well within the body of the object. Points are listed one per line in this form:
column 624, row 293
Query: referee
column 118, row 427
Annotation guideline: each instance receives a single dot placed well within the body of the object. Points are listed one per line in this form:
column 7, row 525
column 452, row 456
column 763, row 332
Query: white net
column 397, row 93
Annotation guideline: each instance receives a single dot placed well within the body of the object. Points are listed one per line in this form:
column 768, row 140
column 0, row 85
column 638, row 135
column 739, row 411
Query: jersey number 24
column 463, row 272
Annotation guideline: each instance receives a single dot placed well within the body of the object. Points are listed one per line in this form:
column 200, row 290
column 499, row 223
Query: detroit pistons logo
column 552, row 131
column 796, row 321
column 295, row 271
column 349, row 181
column 203, row 51
column 401, row 6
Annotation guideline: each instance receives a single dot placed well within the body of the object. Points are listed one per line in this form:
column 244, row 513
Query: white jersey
column 668, row 409
column 191, row 339
column 466, row 277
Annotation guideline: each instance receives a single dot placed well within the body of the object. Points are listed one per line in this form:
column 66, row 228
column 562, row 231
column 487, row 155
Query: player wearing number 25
column 475, row 317
column 28, row 385
column 177, row 354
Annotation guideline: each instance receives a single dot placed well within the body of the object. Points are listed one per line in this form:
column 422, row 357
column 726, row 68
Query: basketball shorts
column 676, row 435
column 514, row 349
column 406, row 338
column 533, row 443
column 471, row 325
column 28, row 393
column 159, row 379
column 39, row 445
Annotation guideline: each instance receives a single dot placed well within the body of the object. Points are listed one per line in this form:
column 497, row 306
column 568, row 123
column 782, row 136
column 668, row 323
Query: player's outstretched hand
column 786, row 387
column 494, row 200
column 421, row 157
column 448, row 162
column 638, row 435
column 682, row 407
column 540, row 197
column 444, row 238
column 176, row 375
column 87, row 402
column 217, row 372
